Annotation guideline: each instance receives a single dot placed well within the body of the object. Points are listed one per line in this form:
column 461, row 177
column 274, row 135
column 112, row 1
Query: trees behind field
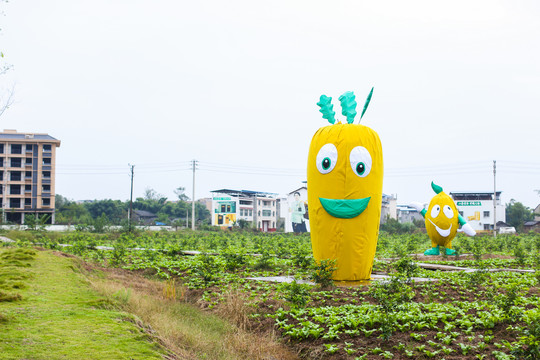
column 517, row 214
column 116, row 211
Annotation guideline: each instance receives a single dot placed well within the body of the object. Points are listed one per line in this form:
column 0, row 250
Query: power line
column 476, row 167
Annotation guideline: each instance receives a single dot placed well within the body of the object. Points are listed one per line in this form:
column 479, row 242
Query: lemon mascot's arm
column 345, row 174
column 442, row 219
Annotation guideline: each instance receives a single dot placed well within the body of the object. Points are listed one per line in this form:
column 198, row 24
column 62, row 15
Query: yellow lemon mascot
column 344, row 177
column 442, row 219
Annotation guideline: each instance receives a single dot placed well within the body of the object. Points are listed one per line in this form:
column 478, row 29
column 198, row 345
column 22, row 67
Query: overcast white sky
column 234, row 84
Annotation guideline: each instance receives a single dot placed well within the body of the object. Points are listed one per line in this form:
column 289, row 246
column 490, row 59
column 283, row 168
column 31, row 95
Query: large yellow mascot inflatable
column 344, row 177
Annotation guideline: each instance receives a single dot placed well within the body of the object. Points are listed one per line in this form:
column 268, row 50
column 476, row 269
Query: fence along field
column 462, row 315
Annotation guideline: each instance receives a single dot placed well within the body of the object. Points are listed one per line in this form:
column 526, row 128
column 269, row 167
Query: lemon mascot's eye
column 345, row 172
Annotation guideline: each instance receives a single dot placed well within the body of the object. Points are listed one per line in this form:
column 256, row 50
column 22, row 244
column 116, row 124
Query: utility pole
column 194, row 164
column 494, row 201
column 130, row 212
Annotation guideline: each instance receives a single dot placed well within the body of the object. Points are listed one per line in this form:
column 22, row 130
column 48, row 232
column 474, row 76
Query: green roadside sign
column 469, row 203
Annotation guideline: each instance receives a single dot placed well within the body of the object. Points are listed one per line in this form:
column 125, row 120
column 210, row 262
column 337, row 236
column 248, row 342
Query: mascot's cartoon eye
column 435, row 211
column 447, row 210
column 360, row 161
column 327, row 158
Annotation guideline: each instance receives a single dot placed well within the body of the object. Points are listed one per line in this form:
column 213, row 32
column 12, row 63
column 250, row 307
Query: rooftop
column 14, row 135
column 243, row 192
column 474, row 192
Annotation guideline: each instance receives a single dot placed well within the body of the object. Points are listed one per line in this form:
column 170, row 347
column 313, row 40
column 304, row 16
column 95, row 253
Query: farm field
column 489, row 313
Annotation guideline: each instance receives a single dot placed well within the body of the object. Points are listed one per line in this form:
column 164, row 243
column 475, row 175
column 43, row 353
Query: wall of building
column 224, row 210
column 479, row 213
column 264, row 213
column 388, row 208
column 407, row 215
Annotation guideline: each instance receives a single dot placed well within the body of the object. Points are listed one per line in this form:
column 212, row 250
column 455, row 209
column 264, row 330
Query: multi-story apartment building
column 27, row 175
column 257, row 208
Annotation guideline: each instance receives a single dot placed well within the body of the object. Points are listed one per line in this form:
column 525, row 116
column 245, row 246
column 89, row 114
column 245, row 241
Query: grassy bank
column 49, row 311
column 183, row 327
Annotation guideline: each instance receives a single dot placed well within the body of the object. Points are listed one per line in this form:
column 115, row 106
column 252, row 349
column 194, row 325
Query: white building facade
column 407, row 214
column 258, row 209
column 477, row 208
column 388, row 208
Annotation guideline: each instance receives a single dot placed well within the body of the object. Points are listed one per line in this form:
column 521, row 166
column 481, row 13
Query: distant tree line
column 517, row 214
column 115, row 212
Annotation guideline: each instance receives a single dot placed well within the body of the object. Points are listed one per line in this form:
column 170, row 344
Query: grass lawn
column 49, row 311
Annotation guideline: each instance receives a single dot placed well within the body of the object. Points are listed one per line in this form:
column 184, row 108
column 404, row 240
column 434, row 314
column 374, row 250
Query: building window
column 46, row 174
column 259, row 213
column 15, row 176
column 487, row 227
column 1, row 148
column 15, row 189
column 1, row 175
column 273, row 225
column 15, row 203
column 46, row 188
column 46, row 202
column 267, row 212
column 28, row 161
column 259, row 224
column 28, row 202
column 47, row 147
column 27, row 188
column 486, row 213
column 273, row 213
column 227, row 207
column 46, row 161
column 16, row 149
column 16, row 162
column 1, row 162
column 28, row 174
column 250, row 212
column 29, row 147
